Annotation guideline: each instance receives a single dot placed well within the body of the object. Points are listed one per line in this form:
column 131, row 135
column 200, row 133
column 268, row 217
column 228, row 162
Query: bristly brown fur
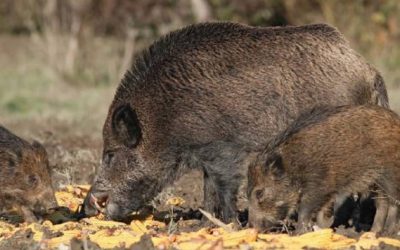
column 24, row 177
column 328, row 153
column 205, row 95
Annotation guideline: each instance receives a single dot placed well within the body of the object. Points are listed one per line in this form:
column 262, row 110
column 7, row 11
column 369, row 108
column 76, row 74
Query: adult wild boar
column 24, row 177
column 202, row 96
column 327, row 154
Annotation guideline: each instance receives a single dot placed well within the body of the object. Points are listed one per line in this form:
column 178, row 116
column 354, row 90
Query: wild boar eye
column 108, row 158
column 33, row 180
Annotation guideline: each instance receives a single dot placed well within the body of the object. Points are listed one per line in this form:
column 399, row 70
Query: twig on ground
column 216, row 221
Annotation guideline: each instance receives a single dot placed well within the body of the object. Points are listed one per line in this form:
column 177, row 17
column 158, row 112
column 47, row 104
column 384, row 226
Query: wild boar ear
column 274, row 167
column 125, row 126
column 39, row 149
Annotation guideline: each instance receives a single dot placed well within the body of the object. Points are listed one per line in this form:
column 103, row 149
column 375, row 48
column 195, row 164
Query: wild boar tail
column 380, row 91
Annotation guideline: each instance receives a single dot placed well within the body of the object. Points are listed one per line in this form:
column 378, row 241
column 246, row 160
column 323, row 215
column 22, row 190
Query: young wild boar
column 328, row 154
column 24, row 177
column 202, row 96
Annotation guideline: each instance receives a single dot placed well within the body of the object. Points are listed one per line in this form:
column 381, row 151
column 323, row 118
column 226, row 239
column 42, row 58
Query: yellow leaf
column 111, row 234
column 119, row 238
column 64, row 239
column 153, row 224
column 103, row 223
column 175, row 201
column 138, row 227
column 239, row 237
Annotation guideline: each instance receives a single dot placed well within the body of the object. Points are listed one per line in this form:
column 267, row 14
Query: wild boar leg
column 220, row 196
column 381, row 204
column 210, row 195
column 228, row 198
column 222, row 161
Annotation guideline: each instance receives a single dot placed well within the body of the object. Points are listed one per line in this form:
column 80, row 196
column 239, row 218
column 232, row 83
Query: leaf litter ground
column 63, row 230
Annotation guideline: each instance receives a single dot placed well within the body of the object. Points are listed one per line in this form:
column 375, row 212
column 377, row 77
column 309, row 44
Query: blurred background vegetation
column 61, row 60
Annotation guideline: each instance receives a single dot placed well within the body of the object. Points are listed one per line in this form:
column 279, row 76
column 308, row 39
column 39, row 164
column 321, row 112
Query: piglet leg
column 381, row 204
column 309, row 204
column 325, row 217
column 304, row 219
column 391, row 219
column 28, row 215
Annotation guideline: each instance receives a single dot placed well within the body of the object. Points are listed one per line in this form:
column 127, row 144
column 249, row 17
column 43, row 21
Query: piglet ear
column 274, row 167
column 39, row 149
column 125, row 126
